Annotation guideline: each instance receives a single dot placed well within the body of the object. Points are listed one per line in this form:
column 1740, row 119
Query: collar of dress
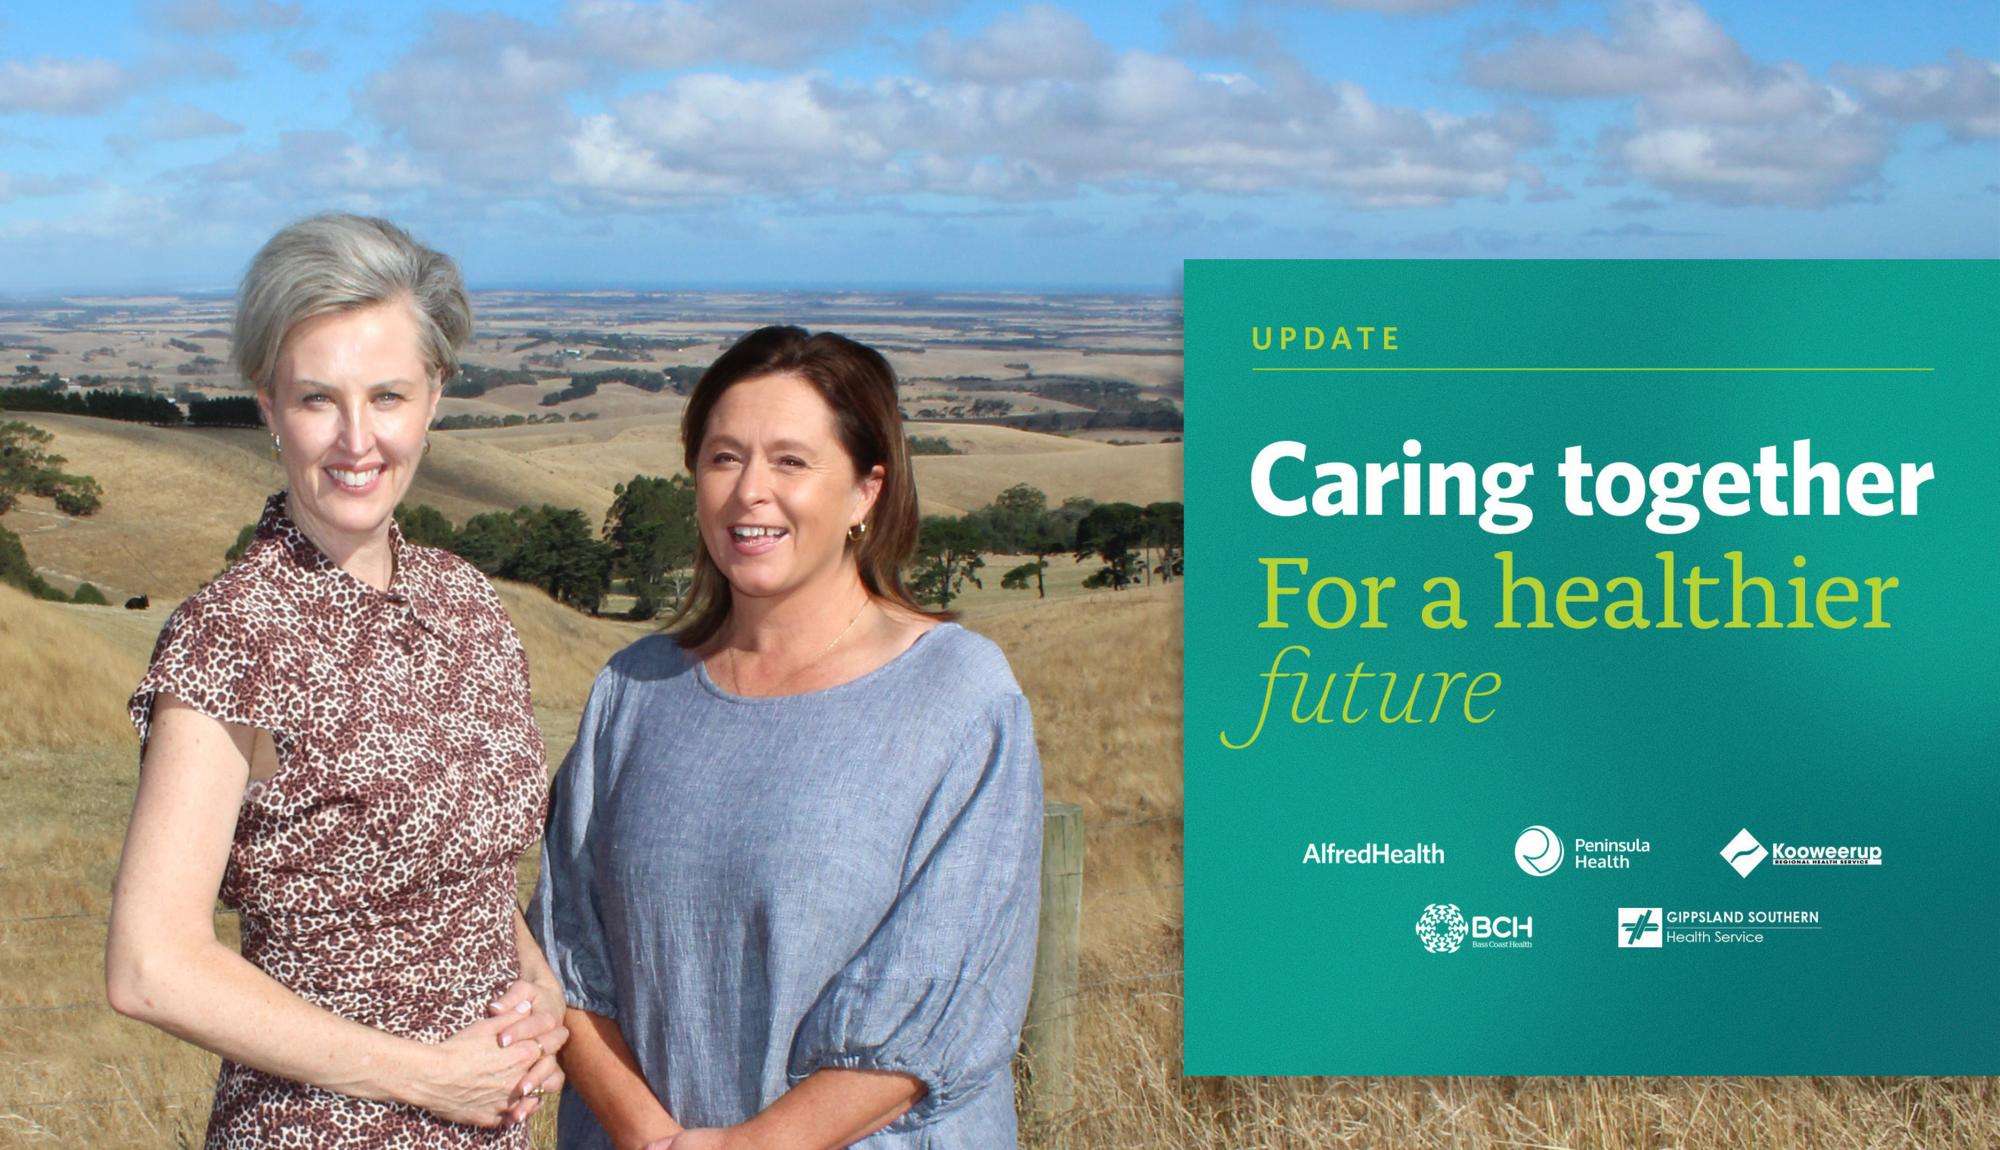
column 414, row 585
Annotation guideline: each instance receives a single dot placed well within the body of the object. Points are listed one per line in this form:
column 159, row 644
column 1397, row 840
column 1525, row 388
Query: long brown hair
column 860, row 387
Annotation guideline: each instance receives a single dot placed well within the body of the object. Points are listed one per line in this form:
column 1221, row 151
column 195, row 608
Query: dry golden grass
column 954, row 484
column 174, row 499
column 981, row 439
column 1102, row 670
column 65, row 686
column 71, row 1072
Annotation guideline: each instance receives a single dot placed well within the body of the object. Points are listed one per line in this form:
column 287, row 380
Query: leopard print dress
column 374, row 871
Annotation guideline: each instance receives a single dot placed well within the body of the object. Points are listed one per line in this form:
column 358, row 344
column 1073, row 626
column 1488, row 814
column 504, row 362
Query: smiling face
column 775, row 491
column 351, row 400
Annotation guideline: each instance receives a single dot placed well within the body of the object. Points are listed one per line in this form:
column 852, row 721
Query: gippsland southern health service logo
column 1744, row 852
column 1641, row 926
column 1441, row 928
column 1539, row 851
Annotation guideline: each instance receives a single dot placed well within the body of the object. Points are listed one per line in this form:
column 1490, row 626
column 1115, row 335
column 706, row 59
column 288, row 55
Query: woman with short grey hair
column 336, row 739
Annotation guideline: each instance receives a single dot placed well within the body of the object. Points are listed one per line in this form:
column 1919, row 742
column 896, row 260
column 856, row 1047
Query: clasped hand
column 497, row 1071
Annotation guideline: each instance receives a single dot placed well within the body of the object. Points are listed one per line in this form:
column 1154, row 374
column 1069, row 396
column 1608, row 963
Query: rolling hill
column 174, row 498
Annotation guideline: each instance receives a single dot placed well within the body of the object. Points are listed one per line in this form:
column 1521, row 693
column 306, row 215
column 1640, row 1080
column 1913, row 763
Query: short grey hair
column 339, row 262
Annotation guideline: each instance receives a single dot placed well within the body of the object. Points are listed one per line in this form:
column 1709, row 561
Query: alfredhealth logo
column 1539, row 851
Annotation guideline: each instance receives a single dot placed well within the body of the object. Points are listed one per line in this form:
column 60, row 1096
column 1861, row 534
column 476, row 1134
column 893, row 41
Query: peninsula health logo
column 1539, row 851
column 1744, row 852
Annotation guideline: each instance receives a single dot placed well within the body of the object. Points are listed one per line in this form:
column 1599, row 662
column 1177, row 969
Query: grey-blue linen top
column 757, row 888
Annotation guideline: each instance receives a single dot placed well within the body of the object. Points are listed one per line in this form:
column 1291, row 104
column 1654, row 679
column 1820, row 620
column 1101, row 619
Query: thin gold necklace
column 735, row 673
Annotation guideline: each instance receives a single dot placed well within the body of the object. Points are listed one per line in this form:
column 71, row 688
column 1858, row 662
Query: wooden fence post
column 1049, row 1037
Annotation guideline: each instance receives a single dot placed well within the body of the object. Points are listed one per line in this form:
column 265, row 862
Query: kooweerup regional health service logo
column 1441, row 928
column 1539, row 851
column 1744, row 852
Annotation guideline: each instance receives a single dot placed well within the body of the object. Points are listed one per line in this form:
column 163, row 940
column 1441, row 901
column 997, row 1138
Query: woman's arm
column 606, row 1074
column 164, row 965
column 534, row 1006
column 829, row 1110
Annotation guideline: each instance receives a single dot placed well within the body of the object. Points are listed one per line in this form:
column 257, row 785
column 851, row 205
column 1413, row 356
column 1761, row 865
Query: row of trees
column 134, row 406
column 130, row 406
column 1129, row 542
column 649, row 537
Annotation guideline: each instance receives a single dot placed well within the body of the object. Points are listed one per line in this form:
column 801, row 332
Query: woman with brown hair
column 791, row 868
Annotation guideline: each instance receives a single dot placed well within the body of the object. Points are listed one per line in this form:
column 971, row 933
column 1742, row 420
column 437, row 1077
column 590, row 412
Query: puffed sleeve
column 219, row 660
column 940, row 989
column 564, row 914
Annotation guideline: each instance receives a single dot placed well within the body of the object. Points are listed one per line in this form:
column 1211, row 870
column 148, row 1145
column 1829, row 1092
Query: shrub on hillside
column 16, row 571
column 90, row 596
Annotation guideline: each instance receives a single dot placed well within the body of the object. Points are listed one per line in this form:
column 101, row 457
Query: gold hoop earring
column 856, row 531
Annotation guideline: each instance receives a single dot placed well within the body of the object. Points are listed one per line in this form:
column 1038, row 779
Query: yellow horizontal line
column 1602, row 369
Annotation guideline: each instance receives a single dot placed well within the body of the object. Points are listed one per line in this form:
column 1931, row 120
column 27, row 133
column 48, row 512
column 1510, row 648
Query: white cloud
column 1654, row 46
column 307, row 165
column 227, row 17
column 1148, row 123
column 13, row 187
column 1398, row 7
column 187, row 122
column 61, row 87
column 1709, row 123
column 680, row 33
column 1963, row 94
column 174, row 122
column 487, row 96
column 1032, row 106
column 1038, row 42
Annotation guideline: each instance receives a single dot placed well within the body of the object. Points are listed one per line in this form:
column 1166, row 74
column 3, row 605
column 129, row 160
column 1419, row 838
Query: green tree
column 1111, row 533
column 1163, row 531
column 28, row 468
column 652, row 533
column 79, row 495
column 243, row 540
column 425, row 526
column 561, row 555
column 1012, row 517
column 1016, row 578
column 15, row 570
column 489, row 541
column 948, row 556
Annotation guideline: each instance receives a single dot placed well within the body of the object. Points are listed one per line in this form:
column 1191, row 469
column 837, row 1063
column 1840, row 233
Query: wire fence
column 1165, row 978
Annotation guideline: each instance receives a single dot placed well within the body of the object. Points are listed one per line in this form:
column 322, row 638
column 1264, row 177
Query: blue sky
column 153, row 144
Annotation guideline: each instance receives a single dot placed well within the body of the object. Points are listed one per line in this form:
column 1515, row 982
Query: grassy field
column 1101, row 669
column 174, row 498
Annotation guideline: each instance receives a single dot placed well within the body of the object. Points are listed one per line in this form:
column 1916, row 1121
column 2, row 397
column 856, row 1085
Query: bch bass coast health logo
column 1442, row 928
column 1539, row 851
